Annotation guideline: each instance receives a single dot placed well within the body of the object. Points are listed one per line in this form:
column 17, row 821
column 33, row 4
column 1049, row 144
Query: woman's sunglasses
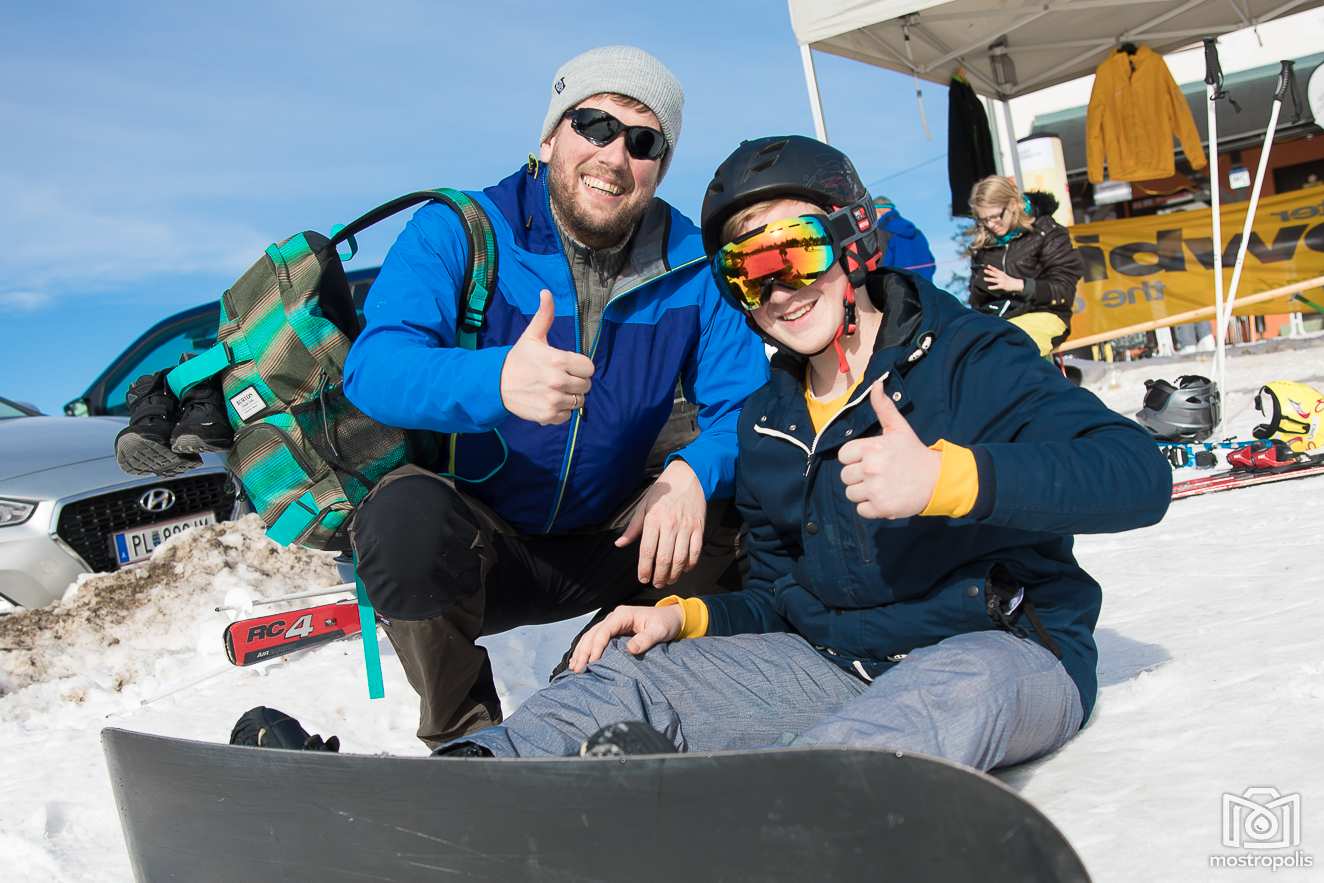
column 601, row 128
column 792, row 252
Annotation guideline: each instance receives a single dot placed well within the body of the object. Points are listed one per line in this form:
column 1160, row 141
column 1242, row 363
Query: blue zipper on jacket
column 593, row 351
column 579, row 346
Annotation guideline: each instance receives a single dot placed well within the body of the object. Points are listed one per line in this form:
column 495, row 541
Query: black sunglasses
column 601, row 128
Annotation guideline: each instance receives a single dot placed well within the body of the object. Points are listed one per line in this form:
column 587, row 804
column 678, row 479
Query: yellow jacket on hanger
column 1135, row 109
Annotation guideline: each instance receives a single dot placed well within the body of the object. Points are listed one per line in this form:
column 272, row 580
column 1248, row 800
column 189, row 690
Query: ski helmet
column 1186, row 412
column 1295, row 414
column 796, row 167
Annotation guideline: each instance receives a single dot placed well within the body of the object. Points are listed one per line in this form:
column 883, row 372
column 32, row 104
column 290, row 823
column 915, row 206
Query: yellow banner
column 1142, row 269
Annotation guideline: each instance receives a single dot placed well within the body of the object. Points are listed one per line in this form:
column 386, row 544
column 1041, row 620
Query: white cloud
column 23, row 301
column 63, row 241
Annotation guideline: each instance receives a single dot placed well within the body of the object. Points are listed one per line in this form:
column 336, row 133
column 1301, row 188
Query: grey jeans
column 984, row 699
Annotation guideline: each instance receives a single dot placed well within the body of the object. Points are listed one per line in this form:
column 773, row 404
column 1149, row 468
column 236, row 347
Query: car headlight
column 14, row 512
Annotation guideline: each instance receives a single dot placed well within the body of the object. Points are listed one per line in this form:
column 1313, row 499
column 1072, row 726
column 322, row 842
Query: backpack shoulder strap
column 480, row 274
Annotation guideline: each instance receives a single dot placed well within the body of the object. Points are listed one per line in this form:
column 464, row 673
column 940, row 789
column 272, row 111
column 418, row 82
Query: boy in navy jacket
column 910, row 477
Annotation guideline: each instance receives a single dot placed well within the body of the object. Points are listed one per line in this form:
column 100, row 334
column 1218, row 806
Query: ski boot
column 143, row 447
column 1262, row 457
column 626, row 737
column 203, row 424
column 263, row 727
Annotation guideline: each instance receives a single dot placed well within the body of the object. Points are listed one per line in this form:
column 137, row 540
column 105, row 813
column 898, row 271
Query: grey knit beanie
column 623, row 70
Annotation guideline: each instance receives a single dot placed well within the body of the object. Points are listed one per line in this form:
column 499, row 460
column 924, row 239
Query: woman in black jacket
column 1023, row 266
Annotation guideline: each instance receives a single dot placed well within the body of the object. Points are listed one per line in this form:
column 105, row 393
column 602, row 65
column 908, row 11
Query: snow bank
column 115, row 631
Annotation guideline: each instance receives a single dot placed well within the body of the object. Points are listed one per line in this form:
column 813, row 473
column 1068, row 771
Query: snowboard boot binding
column 263, row 727
column 624, row 738
column 143, row 447
column 203, row 424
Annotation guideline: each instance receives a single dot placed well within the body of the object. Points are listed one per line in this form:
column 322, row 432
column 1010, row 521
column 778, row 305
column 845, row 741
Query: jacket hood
column 1044, row 204
column 898, row 225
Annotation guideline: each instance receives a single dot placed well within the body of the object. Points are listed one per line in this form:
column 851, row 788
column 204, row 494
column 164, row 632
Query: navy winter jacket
column 1052, row 462
column 664, row 322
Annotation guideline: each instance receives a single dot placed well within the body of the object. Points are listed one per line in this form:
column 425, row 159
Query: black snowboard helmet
column 1186, row 412
column 796, row 167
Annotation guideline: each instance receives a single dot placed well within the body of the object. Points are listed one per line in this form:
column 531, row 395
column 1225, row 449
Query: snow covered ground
column 1212, row 673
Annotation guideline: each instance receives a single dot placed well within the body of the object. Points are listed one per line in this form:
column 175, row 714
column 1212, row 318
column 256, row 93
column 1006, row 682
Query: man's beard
column 595, row 233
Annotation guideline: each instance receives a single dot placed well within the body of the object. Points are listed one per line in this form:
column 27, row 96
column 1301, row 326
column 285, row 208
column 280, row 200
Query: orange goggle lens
column 792, row 252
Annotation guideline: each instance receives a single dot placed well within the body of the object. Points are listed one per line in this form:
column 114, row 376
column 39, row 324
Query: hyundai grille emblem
column 158, row 499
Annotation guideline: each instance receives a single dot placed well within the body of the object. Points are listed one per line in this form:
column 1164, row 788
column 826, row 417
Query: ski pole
column 1286, row 83
column 1213, row 79
column 343, row 587
column 178, row 688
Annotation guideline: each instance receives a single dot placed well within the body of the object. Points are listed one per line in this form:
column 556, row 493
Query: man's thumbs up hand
column 541, row 323
column 539, row 382
column 890, row 475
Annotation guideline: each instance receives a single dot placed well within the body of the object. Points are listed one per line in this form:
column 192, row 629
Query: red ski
column 1302, row 467
column 265, row 637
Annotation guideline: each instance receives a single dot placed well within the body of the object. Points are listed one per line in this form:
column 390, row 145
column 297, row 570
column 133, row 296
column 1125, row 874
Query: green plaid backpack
column 303, row 453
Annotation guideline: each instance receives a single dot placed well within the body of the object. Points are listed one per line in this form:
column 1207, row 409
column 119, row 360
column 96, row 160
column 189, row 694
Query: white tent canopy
column 1010, row 48
column 1047, row 41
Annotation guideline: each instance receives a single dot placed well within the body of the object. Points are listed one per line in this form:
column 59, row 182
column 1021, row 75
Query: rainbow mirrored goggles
column 792, row 252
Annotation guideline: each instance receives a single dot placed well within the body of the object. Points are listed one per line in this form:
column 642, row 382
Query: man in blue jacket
column 907, row 247
column 603, row 305
column 911, row 478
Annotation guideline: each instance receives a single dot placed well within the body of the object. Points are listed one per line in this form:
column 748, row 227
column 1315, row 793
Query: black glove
column 264, row 727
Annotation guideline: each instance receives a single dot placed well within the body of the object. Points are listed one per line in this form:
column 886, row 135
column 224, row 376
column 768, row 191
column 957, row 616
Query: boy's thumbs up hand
column 890, row 475
column 539, row 382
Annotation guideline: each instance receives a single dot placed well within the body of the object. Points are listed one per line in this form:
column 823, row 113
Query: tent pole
column 1011, row 142
column 1212, row 75
column 1284, row 82
column 815, row 100
column 999, row 161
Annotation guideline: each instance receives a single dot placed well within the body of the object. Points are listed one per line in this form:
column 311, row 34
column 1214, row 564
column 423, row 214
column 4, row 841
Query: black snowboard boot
column 461, row 749
column 203, row 424
column 264, row 727
column 143, row 447
column 627, row 737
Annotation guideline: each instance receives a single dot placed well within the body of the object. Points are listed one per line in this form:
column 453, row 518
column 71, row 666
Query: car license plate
column 137, row 544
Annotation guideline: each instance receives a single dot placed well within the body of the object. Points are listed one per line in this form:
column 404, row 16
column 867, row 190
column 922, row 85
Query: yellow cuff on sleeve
column 695, row 613
column 958, row 481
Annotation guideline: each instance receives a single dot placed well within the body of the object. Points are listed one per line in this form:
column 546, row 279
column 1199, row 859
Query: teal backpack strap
column 372, row 657
column 197, row 369
column 479, row 281
column 480, row 274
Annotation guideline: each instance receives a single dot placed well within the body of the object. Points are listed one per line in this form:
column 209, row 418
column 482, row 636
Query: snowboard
column 200, row 811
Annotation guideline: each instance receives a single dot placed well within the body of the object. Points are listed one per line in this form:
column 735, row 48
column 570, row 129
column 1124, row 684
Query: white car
column 67, row 508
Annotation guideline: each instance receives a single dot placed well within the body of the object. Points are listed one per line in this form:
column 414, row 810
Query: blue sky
column 152, row 150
